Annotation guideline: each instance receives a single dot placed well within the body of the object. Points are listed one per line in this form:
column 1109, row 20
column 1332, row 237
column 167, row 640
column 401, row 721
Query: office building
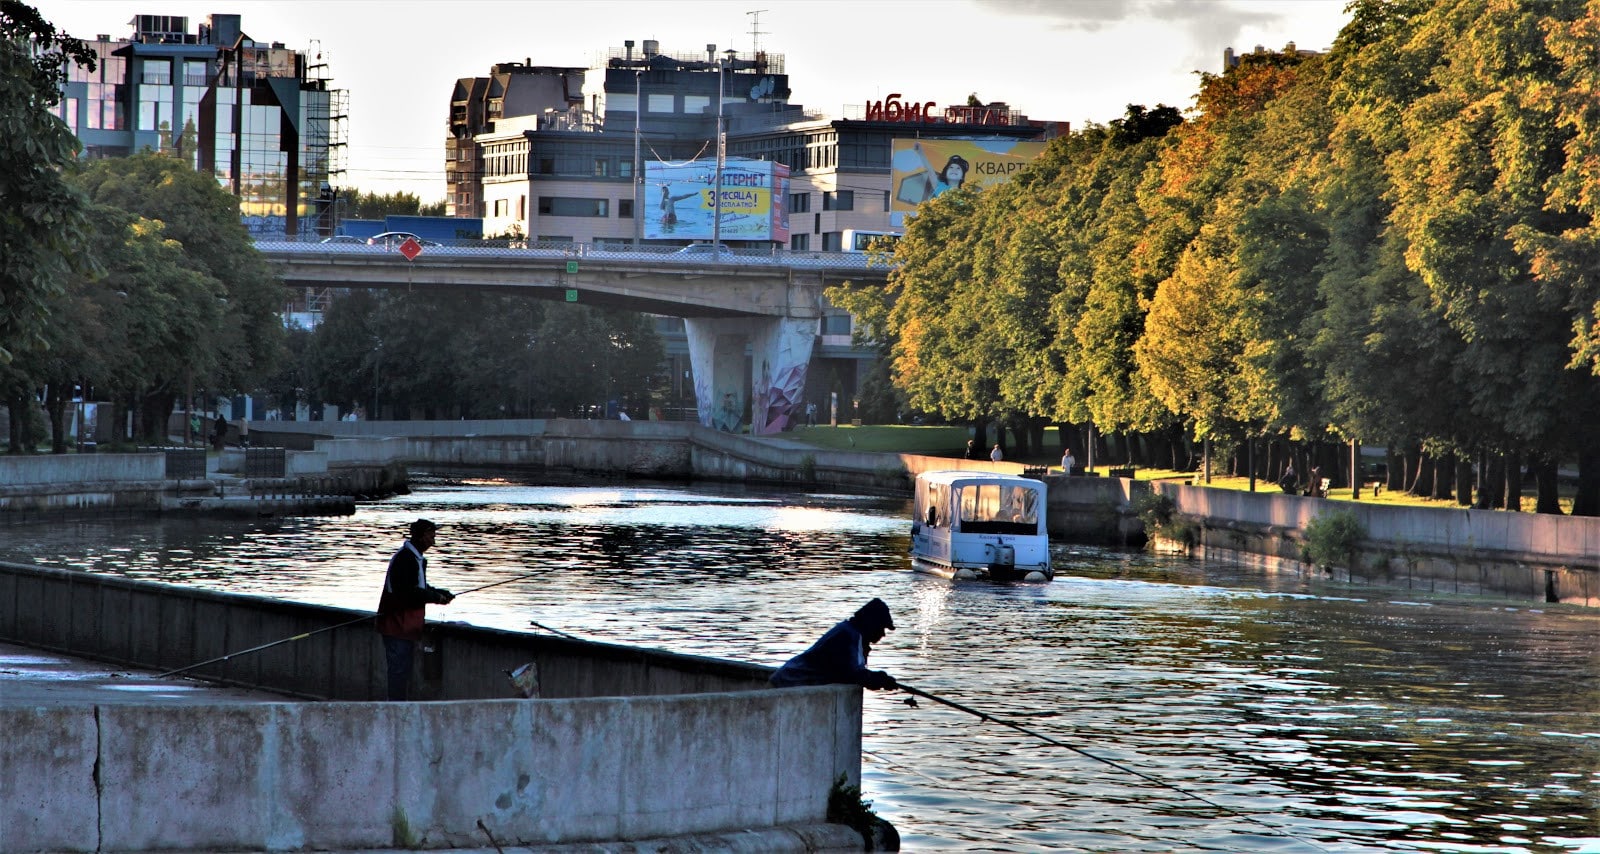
column 554, row 168
column 532, row 158
column 259, row 116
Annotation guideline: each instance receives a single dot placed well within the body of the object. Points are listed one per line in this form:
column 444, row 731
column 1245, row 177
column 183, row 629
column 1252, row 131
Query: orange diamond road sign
column 411, row 249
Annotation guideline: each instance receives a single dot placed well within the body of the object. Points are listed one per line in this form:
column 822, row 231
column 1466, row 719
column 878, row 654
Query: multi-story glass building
column 260, row 117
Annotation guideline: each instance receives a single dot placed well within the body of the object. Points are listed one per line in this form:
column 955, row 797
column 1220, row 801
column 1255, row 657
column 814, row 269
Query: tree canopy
column 1394, row 242
column 43, row 220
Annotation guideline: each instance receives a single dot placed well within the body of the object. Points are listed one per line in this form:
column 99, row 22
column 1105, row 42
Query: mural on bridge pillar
column 780, row 350
column 716, row 354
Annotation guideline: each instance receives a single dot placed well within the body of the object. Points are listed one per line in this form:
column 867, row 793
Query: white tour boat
column 977, row 524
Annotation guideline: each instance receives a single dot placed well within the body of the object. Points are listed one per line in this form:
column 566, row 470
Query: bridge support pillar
column 780, row 351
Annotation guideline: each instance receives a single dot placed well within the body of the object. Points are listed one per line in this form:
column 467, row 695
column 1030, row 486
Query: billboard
column 678, row 200
column 924, row 168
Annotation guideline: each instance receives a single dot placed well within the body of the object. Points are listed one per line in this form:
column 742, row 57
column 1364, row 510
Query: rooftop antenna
column 755, row 30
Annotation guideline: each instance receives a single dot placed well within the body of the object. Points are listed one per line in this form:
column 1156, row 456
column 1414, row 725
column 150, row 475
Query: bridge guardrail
column 562, row 250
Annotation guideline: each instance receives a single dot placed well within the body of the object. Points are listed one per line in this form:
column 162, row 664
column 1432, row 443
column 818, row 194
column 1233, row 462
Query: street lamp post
column 638, row 170
column 722, row 153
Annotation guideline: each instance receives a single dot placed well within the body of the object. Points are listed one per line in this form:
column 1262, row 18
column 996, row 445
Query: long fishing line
column 947, row 786
column 985, row 716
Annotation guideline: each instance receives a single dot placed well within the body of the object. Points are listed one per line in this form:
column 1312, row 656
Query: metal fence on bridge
column 546, row 250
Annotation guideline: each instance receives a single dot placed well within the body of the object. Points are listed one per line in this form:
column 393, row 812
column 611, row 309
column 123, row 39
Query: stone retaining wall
column 625, row 743
column 1528, row 556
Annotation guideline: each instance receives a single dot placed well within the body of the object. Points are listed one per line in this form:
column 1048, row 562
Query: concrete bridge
column 730, row 301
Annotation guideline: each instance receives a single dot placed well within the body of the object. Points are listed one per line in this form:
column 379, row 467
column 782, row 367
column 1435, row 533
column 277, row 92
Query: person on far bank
column 1289, row 481
column 972, row 450
column 402, row 607
column 1068, row 461
column 995, row 454
column 839, row 657
column 219, row 433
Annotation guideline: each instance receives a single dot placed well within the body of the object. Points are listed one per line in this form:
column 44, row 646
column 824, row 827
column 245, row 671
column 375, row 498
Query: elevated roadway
column 732, row 302
column 729, row 284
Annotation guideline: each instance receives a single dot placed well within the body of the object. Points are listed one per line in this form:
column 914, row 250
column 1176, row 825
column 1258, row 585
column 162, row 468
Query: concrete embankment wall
column 35, row 485
column 585, row 762
column 1529, row 556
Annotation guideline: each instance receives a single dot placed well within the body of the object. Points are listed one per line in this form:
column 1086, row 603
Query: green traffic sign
column 572, row 293
column 572, row 266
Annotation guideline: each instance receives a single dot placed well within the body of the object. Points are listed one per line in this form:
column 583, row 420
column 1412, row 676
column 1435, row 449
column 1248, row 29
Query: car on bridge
column 719, row 253
column 391, row 240
column 705, row 250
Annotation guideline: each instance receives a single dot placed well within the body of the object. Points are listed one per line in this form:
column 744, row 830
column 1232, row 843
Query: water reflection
column 1330, row 717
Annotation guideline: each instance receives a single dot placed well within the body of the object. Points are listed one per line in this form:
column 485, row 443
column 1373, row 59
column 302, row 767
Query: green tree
column 204, row 219
column 43, row 220
column 1570, row 258
column 1482, row 151
column 364, row 205
column 476, row 355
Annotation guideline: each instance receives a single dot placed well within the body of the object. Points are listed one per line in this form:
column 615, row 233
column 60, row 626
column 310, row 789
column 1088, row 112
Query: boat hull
column 983, row 573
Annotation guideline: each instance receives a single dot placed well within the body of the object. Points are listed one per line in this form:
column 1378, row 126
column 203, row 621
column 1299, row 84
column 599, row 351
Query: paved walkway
column 32, row 677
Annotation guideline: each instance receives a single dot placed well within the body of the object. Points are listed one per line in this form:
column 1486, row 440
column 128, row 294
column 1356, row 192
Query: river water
column 1311, row 716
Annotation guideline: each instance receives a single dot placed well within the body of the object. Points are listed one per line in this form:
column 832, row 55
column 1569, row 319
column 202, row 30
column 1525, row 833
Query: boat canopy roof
column 957, row 477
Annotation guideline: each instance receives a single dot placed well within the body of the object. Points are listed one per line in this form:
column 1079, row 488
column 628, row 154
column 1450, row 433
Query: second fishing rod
column 303, row 635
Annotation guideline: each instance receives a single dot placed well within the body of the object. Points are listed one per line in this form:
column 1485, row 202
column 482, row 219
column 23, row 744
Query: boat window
column 999, row 509
column 934, row 502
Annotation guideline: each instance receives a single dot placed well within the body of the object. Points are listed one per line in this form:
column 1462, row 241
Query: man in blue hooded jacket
column 840, row 656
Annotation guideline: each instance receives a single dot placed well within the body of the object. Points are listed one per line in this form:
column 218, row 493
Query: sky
column 1079, row 61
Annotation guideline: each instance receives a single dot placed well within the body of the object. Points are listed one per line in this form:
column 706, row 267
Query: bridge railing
column 548, row 250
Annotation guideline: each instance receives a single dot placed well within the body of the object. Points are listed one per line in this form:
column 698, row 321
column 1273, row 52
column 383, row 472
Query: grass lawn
column 1394, row 498
column 888, row 438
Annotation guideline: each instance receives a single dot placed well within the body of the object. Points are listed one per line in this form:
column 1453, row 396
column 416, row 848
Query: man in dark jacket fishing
column 402, row 607
column 840, row 656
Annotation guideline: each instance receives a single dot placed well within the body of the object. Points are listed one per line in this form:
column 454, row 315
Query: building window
column 659, row 103
column 501, row 206
column 563, row 206
column 799, row 203
column 602, row 167
column 547, row 166
column 885, row 199
column 156, row 71
column 836, row 324
column 832, row 241
column 194, row 72
column 522, row 207
column 625, row 208
column 625, row 168
column 840, row 200
column 800, row 242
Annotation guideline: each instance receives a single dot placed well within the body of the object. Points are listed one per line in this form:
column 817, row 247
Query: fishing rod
column 303, row 635
column 985, row 716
